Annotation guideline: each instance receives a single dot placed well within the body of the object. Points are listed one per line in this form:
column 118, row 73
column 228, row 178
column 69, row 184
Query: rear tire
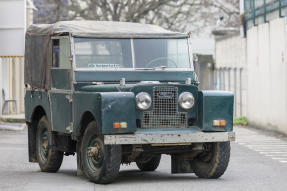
column 49, row 159
column 148, row 163
column 102, row 165
column 213, row 162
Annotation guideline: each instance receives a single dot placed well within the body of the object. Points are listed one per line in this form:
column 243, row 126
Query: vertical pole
column 280, row 9
column 240, row 90
column 223, row 78
column 253, row 12
column 215, row 79
column 235, row 92
column 229, row 80
column 265, row 20
column 1, row 80
column 10, row 82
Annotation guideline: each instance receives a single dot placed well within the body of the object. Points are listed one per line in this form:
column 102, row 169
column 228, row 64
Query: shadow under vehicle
column 114, row 93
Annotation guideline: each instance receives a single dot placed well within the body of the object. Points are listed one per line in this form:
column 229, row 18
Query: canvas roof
column 103, row 29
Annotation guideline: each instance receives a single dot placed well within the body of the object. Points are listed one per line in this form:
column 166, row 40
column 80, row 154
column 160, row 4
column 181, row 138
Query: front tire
column 49, row 159
column 213, row 162
column 101, row 163
column 148, row 163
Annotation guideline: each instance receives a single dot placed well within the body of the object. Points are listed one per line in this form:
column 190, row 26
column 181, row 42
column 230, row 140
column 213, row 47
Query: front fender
column 117, row 107
column 215, row 105
column 107, row 108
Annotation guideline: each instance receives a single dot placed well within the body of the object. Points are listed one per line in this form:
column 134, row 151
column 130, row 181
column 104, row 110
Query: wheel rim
column 44, row 144
column 95, row 153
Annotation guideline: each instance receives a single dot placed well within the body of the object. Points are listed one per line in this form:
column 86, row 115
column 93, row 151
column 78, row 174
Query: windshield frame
column 191, row 64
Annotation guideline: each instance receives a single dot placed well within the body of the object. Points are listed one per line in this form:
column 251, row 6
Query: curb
column 12, row 127
column 12, row 120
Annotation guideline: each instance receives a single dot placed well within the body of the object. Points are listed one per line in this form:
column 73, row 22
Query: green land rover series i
column 116, row 93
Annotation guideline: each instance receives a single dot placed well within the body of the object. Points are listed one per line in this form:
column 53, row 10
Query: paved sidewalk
column 259, row 141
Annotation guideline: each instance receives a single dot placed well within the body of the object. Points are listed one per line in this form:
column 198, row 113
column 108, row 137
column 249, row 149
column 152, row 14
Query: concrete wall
column 267, row 83
column 12, row 27
column 230, row 72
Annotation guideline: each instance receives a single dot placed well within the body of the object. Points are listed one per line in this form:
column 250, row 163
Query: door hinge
column 69, row 97
column 70, row 128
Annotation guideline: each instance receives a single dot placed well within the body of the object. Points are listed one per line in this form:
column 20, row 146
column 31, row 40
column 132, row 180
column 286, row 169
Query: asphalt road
column 258, row 162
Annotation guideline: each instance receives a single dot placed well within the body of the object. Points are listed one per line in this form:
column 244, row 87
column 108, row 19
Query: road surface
column 258, row 162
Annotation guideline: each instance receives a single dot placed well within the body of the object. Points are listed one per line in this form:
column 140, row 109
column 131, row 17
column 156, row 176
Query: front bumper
column 179, row 138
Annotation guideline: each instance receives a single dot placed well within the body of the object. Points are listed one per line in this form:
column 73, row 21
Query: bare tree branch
column 179, row 15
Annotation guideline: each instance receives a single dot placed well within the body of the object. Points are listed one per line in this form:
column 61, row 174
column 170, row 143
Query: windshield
column 131, row 53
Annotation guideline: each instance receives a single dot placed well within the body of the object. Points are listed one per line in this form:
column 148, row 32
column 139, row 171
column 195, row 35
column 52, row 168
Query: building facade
column 259, row 53
column 15, row 16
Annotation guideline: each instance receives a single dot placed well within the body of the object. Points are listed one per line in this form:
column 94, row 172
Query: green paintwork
column 84, row 102
column 34, row 99
column 135, row 88
column 106, row 108
column 68, row 101
column 61, row 111
column 61, row 78
column 215, row 105
column 117, row 107
column 97, row 99
column 133, row 76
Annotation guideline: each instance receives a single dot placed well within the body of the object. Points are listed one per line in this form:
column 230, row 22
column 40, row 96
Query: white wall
column 267, row 84
column 231, row 70
column 12, row 37
column 12, row 27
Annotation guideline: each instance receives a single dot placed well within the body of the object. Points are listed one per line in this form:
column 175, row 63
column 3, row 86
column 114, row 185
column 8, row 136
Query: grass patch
column 240, row 121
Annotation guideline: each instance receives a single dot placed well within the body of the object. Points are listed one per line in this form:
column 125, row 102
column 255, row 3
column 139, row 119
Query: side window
column 61, row 53
column 55, row 51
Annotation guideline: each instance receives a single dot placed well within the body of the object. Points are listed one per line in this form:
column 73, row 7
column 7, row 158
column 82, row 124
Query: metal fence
column 261, row 8
column 231, row 79
column 262, row 11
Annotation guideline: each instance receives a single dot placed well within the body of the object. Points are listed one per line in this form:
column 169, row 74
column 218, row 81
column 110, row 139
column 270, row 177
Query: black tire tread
column 218, row 164
column 151, row 165
column 55, row 157
column 111, row 165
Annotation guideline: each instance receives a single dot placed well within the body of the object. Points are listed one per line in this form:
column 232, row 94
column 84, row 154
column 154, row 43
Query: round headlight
column 186, row 100
column 143, row 100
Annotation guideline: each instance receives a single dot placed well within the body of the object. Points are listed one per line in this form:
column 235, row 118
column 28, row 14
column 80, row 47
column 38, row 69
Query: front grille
column 164, row 113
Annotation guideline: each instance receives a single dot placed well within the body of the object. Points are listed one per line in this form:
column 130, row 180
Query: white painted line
column 277, row 158
column 266, row 152
column 269, row 150
column 267, row 144
column 276, row 155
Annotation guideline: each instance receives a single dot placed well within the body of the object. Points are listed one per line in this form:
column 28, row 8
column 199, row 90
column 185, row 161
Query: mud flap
column 32, row 142
column 179, row 164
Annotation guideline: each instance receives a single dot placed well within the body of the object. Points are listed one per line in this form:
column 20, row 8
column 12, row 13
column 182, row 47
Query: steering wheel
column 153, row 62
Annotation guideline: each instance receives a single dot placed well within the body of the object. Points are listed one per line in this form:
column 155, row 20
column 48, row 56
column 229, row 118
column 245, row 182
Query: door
column 60, row 94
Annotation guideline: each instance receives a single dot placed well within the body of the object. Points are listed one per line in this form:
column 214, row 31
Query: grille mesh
column 165, row 110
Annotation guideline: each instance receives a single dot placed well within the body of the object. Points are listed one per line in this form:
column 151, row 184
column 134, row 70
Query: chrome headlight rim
column 186, row 100
column 143, row 101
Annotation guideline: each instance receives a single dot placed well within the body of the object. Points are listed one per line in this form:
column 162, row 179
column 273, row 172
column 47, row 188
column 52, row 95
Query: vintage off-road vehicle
column 116, row 93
